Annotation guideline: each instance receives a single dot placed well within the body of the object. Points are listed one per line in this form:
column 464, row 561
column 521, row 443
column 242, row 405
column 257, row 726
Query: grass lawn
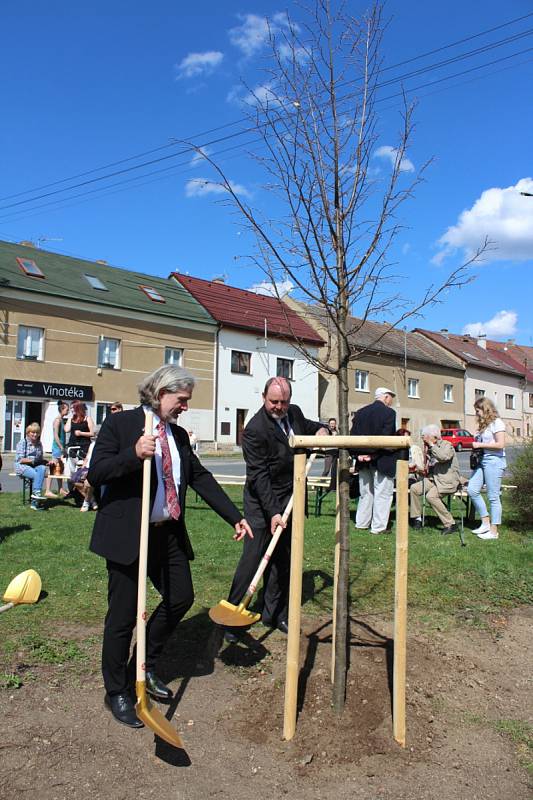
column 444, row 578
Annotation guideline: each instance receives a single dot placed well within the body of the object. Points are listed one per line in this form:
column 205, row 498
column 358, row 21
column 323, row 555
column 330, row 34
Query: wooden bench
column 27, row 485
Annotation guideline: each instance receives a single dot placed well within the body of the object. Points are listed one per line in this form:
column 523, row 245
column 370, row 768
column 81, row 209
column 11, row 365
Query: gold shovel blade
column 25, row 588
column 232, row 616
column 154, row 719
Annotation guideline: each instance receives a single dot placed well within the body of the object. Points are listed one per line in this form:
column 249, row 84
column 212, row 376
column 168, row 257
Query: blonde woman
column 490, row 438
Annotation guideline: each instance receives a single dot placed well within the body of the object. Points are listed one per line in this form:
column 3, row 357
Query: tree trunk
column 343, row 584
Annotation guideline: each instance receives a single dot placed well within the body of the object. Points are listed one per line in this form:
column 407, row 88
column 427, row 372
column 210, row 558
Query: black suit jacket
column 116, row 466
column 269, row 462
column 376, row 419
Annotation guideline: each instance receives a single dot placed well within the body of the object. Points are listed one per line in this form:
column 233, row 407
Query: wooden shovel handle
column 143, row 557
column 275, row 537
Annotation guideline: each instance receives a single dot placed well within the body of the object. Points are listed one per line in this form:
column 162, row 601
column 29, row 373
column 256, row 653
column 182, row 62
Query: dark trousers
column 169, row 571
column 276, row 575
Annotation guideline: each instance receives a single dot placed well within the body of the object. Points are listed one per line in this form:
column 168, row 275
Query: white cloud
column 253, row 33
column 201, row 187
column 196, row 64
column 502, row 215
column 391, row 154
column 406, row 248
column 198, row 158
column 502, row 324
column 268, row 288
column 260, row 95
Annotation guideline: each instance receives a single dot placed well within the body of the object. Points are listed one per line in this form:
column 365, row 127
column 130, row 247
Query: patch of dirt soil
column 59, row 741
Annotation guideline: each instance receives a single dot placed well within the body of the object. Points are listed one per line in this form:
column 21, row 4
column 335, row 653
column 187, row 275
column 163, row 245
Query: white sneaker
column 487, row 535
column 483, row 528
column 84, row 506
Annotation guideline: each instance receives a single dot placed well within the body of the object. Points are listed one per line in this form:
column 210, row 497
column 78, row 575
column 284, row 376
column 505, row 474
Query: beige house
column 428, row 382
column 77, row 329
column 493, row 374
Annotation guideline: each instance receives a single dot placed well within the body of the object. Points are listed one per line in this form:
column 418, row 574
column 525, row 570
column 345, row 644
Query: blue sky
column 86, row 88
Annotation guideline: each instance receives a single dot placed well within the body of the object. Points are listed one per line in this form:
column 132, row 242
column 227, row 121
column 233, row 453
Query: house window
column 241, row 362
column 153, row 294
column 519, row 432
column 102, row 410
column 95, row 283
column 173, row 355
column 30, row 268
column 413, row 387
column 225, row 428
column 284, row 368
column 448, row 393
column 510, row 402
column 30, row 343
column 109, row 353
column 479, row 393
column 531, row 399
column 361, row 380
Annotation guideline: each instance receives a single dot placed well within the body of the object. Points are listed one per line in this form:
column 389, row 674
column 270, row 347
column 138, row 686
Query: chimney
column 482, row 340
column 510, row 342
column 444, row 332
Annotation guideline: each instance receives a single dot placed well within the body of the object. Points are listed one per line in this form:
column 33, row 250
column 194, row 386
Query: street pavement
column 220, row 465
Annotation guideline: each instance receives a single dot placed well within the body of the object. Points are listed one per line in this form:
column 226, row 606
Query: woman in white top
column 490, row 438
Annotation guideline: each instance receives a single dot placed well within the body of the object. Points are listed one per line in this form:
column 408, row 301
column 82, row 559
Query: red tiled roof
column 467, row 348
column 238, row 308
column 515, row 355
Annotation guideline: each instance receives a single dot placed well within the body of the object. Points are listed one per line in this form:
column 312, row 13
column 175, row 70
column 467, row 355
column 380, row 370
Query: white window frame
column 479, row 393
column 107, row 358
column 510, row 402
column 241, row 353
column 448, row 393
column 170, row 353
column 30, row 343
column 361, row 380
column 413, row 383
column 290, row 362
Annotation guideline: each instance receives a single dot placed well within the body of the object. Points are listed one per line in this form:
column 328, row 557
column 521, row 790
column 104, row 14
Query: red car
column 461, row 439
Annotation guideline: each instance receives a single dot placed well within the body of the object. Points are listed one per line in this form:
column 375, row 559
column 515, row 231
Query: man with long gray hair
column 117, row 468
column 443, row 478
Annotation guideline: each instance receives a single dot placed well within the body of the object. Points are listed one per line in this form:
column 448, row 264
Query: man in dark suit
column 376, row 467
column 116, row 467
column 269, row 477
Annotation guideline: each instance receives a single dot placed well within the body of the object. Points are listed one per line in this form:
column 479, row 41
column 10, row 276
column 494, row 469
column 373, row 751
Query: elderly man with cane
column 116, row 467
column 443, row 478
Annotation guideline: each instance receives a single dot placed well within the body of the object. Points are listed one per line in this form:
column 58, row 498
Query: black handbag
column 476, row 457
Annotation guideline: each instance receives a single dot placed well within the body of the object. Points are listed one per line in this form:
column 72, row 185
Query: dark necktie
column 171, row 495
column 285, row 425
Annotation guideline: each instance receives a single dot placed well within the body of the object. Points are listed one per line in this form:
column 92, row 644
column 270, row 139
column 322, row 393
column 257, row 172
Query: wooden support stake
column 400, row 602
column 295, row 597
column 337, row 555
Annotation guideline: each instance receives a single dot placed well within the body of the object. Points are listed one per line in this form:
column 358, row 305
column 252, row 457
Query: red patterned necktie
column 171, row 496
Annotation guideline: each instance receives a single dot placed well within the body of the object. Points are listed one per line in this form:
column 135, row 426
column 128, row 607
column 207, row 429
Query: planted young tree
column 328, row 222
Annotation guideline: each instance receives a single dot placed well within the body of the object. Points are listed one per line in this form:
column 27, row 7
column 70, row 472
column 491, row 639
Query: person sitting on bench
column 30, row 464
column 443, row 478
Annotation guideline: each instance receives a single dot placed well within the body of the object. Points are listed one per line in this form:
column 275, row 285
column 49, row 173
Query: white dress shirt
column 159, row 508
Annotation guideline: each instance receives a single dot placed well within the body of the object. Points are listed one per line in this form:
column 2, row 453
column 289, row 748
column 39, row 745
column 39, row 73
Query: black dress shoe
column 283, row 626
column 123, row 709
column 450, row 529
column 416, row 524
column 230, row 637
column 156, row 688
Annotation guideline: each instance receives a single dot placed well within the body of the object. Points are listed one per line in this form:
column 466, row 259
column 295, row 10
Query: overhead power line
column 242, row 120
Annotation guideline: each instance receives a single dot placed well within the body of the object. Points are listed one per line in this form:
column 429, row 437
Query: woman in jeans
column 490, row 438
column 29, row 463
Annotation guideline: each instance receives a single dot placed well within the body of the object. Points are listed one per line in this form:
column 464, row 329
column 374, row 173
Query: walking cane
column 146, row 712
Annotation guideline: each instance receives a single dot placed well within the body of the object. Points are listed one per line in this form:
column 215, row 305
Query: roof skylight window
column 152, row 294
column 30, row 268
column 95, row 283
column 471, row 355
